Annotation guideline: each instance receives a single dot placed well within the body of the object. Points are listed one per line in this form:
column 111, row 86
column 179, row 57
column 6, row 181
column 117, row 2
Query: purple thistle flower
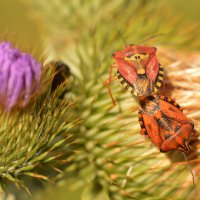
column 20, row 76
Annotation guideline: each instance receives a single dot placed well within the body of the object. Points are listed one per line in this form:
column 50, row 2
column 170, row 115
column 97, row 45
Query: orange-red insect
column 139, row 70
column 162, row 120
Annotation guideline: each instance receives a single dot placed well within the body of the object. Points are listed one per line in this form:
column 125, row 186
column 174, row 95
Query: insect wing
column 172, row 110
column 128, row 73
column 149, row 127
column 152, row 67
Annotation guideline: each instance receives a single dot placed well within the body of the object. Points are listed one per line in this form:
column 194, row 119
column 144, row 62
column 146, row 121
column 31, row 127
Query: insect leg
column 189, row 167
column 169, row 107
column 107, row 84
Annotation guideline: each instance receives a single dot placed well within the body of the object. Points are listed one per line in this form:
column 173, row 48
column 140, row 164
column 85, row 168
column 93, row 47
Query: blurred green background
column 16, row 17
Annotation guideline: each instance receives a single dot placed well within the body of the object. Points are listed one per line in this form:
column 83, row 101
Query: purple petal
column 15, row 93
column 11, row 88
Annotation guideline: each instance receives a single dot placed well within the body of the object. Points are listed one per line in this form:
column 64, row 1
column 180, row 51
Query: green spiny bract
column 37, row 137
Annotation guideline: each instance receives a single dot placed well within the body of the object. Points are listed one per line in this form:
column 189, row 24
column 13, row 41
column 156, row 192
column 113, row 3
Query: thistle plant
column 35, row 124
column 112, row 160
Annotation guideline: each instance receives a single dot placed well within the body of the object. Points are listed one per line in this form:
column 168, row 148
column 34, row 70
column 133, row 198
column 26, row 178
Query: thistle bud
column 20, row 76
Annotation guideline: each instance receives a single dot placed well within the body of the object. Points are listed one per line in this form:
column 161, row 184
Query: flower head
column 20, row 76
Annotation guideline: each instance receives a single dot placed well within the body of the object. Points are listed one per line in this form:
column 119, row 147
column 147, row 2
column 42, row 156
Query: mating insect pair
column 161, row 118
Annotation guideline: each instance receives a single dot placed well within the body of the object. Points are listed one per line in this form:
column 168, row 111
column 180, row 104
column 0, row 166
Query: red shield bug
column 162, row 120
column 139, row 70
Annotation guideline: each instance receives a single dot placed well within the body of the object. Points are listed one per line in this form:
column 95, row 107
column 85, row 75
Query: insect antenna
column 121, row 35
column 151, row 38
column 142, row 41
column 189, row 167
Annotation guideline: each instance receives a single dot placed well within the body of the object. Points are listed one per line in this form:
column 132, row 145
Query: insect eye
column 129, row 55
column 136, row 57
